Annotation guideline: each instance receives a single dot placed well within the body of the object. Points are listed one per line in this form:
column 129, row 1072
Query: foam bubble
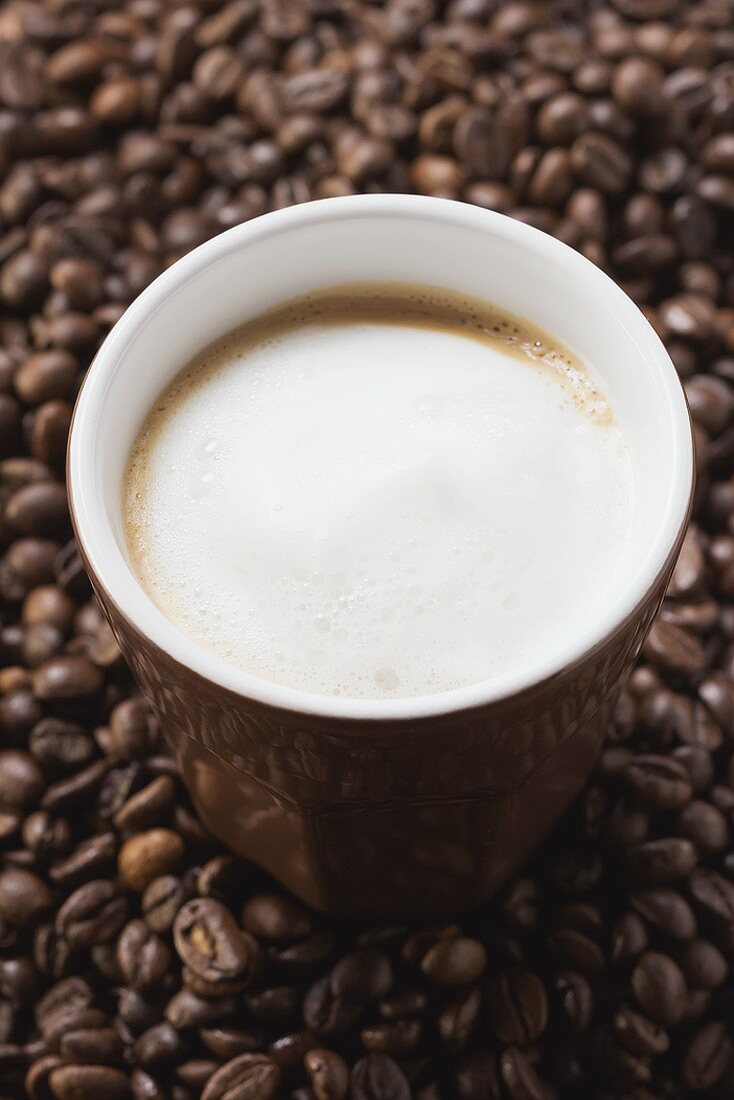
column 374, row 508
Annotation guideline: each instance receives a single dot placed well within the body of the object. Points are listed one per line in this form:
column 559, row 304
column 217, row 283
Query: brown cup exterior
column 357, row 816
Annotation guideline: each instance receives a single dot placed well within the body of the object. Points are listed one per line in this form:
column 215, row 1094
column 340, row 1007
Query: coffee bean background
column 138, row 959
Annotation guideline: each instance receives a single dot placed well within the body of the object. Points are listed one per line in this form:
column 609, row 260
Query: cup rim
column 107, row 563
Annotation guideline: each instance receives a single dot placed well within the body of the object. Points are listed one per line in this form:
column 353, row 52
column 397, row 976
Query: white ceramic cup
column 221, row 723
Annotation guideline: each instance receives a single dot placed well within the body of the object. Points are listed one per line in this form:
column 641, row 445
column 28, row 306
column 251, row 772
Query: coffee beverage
column 381, row 490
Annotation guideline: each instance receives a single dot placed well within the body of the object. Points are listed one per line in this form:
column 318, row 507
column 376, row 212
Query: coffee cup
column 383, row 805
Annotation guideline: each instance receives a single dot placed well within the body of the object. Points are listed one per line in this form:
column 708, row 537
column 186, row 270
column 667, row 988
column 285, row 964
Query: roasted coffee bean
column 24, row 897
column 18, row 980
column 659, row 782
column 149, row 855
column 713, row 898
column 185, row 1009
column 669, row 647
column 377, row 1076
column 37, row 1079
column 60, row 746
column 116, row 786
column 247, row 1077
column 638, row 1034
column 327, row 1014
column 45, row 376
column 146, row 807
column 398, row 1039
column 575, row 1000
column 661, row 861
column 702, row 964
column 599, row 161
column 276, row 917
column 272, row 1008
column 289, row 1051
column 38, row 510
column 402, row 1002
column 218, row 953
column 79, row 788
column 93, row 914
column 518, row 1007
column 229, row 1042
column 575, row 949
column 456, row 1020
column 60, row 1001
column 135, row 1011
column 158, row 1045
column 708, row 1056
column 454, row 961
column 361, row 977
column 82, row 1082
column 328, row 1074
column 520, row 1079
column 142, row 956
column 95, row 1045
column 64, row 678
column 666, row 910
column 660, row 988
column 145, row 1087
column 21, row 780
column 89, row 859
column 162, row 900
column 705, row 826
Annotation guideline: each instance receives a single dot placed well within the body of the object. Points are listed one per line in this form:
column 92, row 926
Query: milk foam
column 377, row 507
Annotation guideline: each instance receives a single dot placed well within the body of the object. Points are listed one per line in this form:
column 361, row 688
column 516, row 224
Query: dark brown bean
column 378, row 1076
column 83, row 1082
column 93, row 914
column 638, row 1034
column 666, row 910
column 713, row 897
column 247, row 1077
column 660, row 988
column 64, row 678
column 455, row 961
column 213, row 947
column 275, row 917
column 161, row 901
column 708, row 1056
column 702, row 964
column 518, row 1007
column 328, row 1074
column 658, row 782
column 21, row 780
column 24, row 897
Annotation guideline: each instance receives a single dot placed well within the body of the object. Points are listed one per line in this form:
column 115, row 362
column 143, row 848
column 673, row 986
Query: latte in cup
column 381, row 490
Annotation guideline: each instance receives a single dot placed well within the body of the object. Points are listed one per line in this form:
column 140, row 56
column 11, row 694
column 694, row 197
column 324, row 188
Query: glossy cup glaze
column 383, row 805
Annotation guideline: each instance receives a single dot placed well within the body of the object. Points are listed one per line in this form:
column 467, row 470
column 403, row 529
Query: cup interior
column 384, row 238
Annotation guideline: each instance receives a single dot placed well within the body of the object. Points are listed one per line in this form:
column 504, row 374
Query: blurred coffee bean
column 518, row 1007
column 378, row 1075
column 702, row 964
column 276, row 917
column 455, row 961
column 93, row 914
column 328, row 1075
column 660, row 988
column 148, row 855
column 708, row 1056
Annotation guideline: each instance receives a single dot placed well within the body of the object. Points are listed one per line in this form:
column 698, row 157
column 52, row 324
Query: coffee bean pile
column 137, row 959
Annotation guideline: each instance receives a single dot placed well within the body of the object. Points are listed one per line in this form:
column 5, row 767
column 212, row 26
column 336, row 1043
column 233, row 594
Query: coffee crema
column 380, row 491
